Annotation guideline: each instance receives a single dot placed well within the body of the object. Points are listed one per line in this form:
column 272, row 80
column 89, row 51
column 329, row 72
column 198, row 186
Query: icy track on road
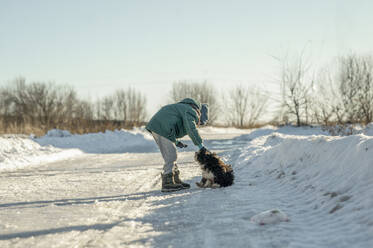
column 324, row 184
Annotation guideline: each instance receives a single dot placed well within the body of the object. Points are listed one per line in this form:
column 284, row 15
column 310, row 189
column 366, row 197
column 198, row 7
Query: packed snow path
column 114, row 200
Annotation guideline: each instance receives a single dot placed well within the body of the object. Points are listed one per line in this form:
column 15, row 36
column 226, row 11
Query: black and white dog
column 215, row 173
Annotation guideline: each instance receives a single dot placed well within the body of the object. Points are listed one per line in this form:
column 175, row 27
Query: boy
column 170, row 123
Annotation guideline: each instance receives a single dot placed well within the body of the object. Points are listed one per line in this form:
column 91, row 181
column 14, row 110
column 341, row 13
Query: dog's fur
column 215, row 173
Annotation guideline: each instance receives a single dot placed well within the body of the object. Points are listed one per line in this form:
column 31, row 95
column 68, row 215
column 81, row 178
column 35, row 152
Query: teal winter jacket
column 174, row 121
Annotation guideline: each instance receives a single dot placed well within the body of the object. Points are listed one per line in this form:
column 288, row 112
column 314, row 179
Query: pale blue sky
column 99, row 46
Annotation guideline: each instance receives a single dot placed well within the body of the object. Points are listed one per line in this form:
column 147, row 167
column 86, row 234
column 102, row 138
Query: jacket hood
column 191, row 101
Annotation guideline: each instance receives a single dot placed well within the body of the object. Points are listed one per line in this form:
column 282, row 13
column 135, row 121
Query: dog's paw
column 199, row 184
column 215, row 186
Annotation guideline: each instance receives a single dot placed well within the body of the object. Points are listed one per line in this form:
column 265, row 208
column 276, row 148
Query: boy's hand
column 181, row 145
column 203, row 150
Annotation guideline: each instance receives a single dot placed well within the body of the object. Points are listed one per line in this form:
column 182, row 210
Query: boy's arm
column 189, row 121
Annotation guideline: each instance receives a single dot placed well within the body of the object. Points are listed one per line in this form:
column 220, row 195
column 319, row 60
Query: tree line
column 340, row 95
column 38, row 107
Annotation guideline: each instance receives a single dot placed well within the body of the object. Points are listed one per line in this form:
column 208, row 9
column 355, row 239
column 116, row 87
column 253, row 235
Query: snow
column 17, row 151
column 308, row 188
column 270, row 217
column 368, row 130
column 335, row 173
column 58, row 133
column 218, row 130
column 118, row 141
column 267, row 130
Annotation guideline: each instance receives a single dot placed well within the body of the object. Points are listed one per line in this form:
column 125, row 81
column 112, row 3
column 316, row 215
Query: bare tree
column 97, row 108
column 136, row 103
column 200, row 91
column 47, row 105
column 43, row 97
column 239, row 106
column 4, row 108
column 19, row 104
column 355, row 79
column 128, row 106
column 84, row 111
column 5, row 102
column 68, row 106
column 121, row 105
column 107, row 108
column 322, row 99
column 245, row 106
column 366, row 90
column 295, row 90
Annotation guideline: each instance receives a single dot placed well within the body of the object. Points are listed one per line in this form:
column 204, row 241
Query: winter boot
column 168, row 183
column 178, row 180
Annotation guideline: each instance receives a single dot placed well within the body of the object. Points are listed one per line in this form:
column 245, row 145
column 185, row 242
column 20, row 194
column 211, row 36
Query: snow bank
column 17, row 152
column 220, row 130
column 119, row 141
column 267, row 130
column 58, row 133
column 368, row 130
column 308, row 131
column 335, row 172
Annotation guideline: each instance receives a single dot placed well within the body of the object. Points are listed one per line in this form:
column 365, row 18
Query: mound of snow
column 368, row 130
column 289, row 130
column 270, row 217
column 58, row 133
column 335, row 172
column 118, row 141
column 220, row 130
column 17, row 152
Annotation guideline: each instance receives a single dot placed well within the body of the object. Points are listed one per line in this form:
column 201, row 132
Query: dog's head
column 202, row 156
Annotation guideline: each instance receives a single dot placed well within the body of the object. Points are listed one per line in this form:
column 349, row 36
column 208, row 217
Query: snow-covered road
column 114, row 200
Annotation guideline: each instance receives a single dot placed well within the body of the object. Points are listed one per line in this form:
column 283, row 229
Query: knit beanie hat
column 204, row 114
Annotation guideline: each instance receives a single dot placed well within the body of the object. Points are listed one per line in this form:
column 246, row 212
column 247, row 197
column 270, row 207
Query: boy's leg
column 168, row 151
